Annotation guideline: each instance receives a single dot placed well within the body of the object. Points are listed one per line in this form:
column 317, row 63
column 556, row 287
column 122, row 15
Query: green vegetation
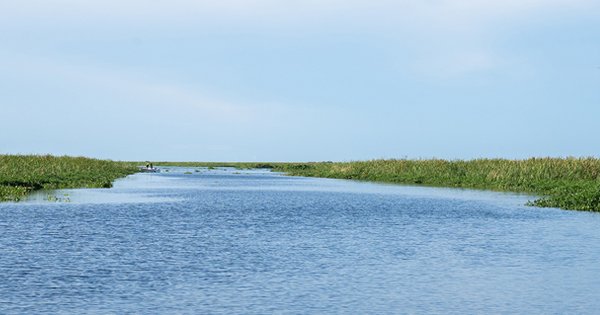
column 567, row 183
column 212, row 165
column 20, row 174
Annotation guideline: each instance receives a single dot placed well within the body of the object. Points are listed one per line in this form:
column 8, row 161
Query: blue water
column 255, row 242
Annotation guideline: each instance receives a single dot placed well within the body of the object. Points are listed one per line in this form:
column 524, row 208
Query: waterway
column 229, row 241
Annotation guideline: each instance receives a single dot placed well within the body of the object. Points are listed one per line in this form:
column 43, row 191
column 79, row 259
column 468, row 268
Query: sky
column 300, row 80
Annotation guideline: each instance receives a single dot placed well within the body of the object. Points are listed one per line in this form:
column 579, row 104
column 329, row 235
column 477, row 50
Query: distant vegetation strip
column 20, row 174
column 567, row 183
column 238, row 165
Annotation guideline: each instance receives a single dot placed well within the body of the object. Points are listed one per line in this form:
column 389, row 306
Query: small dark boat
column 150, row 170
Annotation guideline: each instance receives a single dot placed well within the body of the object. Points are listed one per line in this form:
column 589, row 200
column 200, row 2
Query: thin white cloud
column 448, row 36
column 140, row 95
column 266, row 11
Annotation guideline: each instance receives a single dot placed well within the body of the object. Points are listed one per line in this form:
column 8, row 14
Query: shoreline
column 21, row 174
column 567, row 183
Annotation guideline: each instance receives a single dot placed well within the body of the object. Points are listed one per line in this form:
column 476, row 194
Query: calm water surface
column 255, row 242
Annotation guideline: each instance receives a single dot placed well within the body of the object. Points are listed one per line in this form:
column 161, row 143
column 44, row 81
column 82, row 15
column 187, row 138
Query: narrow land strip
column 567, row 183
column 20, row 174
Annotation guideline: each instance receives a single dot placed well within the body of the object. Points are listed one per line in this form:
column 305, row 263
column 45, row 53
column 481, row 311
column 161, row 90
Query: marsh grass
column 20, row 174
column 567, row 183
column 213, row 165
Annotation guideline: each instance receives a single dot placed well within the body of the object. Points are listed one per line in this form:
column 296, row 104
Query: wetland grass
column 20, row 174
column 567, row 183
column 212, row 165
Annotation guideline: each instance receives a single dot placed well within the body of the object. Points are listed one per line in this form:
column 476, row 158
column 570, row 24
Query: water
column 256, row 242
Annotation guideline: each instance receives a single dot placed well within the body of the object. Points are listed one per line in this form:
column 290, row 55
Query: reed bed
column 567, row 183
column 20, row 174
column 237, row 165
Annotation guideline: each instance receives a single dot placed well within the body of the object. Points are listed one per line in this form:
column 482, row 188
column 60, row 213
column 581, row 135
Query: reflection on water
column 132, row 189
column 254, row 242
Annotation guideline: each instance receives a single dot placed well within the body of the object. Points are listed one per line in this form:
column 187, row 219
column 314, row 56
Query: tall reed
column 20, row 174
column 567, row 183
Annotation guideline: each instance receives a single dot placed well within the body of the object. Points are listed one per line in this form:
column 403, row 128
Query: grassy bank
column 20, row 174
column 567, row 183
column 238, row 165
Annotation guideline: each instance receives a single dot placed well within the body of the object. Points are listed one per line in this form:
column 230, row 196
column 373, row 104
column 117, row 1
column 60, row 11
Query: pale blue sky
column 301, row 80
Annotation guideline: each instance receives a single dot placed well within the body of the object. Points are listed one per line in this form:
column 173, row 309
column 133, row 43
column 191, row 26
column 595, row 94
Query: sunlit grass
column 20, row 174
column 567, row 183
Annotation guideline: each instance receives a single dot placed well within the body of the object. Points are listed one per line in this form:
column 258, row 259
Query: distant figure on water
column 149, row 168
